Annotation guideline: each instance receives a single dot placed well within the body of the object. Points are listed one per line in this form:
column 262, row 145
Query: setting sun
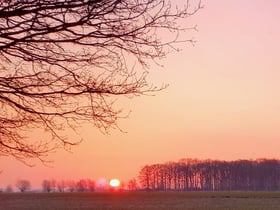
column 114, row 183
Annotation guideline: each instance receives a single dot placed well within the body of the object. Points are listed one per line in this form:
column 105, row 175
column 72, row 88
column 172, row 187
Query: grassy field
column 140, row 200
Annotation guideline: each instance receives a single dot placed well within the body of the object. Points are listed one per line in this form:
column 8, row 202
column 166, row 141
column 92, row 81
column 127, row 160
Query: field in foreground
column 140, row 200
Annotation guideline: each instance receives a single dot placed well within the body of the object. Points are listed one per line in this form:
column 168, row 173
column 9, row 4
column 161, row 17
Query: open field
column 140, row 200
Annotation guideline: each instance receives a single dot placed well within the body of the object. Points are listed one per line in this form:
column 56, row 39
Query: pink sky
column 222, row 103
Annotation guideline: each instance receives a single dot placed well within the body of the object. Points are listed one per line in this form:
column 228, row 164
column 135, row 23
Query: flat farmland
column 140, row 200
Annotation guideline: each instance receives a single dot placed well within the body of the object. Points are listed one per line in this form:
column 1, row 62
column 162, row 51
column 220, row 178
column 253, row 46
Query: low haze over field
column 222, row 103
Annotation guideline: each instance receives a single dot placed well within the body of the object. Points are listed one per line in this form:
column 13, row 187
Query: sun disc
column 114, row 183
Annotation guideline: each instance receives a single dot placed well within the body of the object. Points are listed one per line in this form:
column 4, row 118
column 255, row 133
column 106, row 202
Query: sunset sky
column 222, row 103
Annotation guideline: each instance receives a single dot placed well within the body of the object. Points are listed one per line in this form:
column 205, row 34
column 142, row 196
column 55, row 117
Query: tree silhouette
column 48, row 185
column 23, row 185
column 212, row 175
column 62, row 61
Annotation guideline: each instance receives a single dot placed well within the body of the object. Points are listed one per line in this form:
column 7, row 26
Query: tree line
column 52, row 185
column 212, row 175
column 183, row 175
column 81, row 185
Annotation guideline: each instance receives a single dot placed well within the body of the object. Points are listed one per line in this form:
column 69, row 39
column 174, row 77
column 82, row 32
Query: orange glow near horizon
column 222, row 103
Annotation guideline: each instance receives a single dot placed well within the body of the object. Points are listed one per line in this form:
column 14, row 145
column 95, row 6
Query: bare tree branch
column 62, row 61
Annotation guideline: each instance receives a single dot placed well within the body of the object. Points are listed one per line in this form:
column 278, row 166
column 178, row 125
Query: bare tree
column 91, row 185
column 62, row 61
column 61, row 186
column 132, row 185
column 48, row 185
column 85, row 185
column 81, row 185
column 23, row 185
